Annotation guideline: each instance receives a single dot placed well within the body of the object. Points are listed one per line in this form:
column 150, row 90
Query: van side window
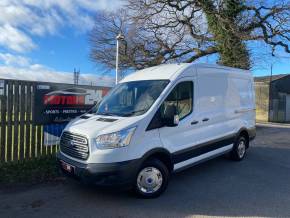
column 182, row 97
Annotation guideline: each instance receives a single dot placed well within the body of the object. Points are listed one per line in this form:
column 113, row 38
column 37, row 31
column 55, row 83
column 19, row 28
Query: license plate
column 67, row 167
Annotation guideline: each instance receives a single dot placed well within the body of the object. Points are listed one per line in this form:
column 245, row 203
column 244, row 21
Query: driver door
column 185, row 135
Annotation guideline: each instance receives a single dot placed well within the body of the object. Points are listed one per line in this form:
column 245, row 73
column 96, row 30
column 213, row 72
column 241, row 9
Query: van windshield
column 131, row 98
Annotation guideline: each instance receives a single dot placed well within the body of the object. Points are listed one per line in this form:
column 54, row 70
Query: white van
column 158, row 121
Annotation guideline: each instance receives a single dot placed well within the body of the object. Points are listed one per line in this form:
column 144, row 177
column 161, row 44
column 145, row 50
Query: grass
column 38, row 170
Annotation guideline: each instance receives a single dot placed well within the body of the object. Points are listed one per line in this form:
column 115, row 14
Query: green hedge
column 30, row 171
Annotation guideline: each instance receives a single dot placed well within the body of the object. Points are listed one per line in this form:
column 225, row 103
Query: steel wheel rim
column 149, row 180
column 241, row 148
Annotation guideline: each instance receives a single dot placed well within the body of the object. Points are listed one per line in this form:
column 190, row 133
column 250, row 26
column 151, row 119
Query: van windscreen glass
column 131, row 98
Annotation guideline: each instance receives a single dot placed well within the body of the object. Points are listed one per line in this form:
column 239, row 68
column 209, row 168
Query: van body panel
column 203, row 157
column 92, row 127
column 223, row 104
column 161, row 72
column 143, row 140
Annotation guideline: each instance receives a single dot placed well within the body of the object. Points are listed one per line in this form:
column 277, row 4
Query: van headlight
column 115, row 139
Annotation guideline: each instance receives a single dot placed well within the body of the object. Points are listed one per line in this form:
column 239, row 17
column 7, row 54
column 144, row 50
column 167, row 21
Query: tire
column 152, row 179
column 238, row 152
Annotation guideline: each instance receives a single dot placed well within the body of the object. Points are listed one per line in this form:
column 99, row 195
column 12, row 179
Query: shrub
column 36, row 170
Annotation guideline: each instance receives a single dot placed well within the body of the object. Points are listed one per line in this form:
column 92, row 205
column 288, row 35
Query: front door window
column 182, row 97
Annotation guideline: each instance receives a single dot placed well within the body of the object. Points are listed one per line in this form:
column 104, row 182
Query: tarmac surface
column 259, row 186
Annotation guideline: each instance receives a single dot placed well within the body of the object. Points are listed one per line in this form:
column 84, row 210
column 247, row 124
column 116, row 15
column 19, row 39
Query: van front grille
column 74, row 145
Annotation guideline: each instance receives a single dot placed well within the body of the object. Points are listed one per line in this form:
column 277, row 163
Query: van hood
column 92, row 125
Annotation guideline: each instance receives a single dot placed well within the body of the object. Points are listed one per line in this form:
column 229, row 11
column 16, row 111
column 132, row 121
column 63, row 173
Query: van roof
column 170, row 71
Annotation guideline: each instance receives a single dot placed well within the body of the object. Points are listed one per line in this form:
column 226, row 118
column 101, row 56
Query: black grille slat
column 74, row 153
column 74, row 145
column 78, row 139
column 77, row 148
column 78, row 145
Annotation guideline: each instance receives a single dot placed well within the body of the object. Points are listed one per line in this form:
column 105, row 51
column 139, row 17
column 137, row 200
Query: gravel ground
column 259, row 186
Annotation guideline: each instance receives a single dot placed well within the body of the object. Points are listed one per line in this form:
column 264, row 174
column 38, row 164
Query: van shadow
column 257, row 186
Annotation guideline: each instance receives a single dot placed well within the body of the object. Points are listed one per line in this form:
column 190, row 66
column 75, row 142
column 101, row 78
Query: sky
column 46, row 39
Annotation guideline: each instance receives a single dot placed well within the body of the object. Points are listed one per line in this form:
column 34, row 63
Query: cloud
column 38, row 72
column 15, row 39
column 21, row 68
column 21, row 20
column 14, row 60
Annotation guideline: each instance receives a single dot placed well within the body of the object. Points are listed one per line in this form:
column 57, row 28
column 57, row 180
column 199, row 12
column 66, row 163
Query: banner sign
column 51, row 134
column 59, row 103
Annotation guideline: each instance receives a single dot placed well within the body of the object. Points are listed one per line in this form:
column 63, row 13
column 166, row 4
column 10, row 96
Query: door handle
column 205, row 119
column 194, row 122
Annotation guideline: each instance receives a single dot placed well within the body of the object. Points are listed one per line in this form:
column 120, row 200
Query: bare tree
column 137, row 50
column 160, row 31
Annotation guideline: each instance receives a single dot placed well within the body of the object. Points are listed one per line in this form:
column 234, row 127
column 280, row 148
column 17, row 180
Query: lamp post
column 119, row 38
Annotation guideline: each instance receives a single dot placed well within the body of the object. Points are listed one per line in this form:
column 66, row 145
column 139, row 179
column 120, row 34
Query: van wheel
column 152, row 179
column 239, row 150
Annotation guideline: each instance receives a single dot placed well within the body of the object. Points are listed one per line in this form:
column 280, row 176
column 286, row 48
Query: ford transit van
column 158, row 121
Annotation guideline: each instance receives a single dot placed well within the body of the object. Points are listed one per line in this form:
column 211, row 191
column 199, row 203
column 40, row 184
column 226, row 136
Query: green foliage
column 29, row 171
column 231, row 48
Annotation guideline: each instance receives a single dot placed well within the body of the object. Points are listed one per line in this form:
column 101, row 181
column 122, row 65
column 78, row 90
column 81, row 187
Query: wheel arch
column 244, row 132
column 162, row 154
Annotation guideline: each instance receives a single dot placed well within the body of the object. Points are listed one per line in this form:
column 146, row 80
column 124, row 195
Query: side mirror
column 170, row 117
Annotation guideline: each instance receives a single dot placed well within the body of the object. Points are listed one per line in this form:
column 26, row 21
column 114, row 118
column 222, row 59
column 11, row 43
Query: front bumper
column 104, row 174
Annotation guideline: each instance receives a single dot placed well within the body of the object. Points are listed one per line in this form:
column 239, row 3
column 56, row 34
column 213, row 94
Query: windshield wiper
column 133, row 112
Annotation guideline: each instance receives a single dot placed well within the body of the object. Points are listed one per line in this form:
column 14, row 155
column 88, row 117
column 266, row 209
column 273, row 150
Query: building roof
column 268, row 78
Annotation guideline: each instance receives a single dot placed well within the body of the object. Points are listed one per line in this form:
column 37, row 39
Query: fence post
column 21, row 122
column 3, row 124
column 9, row 145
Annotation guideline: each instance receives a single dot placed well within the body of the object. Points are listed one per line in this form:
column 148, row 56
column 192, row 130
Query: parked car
column 158, row 121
